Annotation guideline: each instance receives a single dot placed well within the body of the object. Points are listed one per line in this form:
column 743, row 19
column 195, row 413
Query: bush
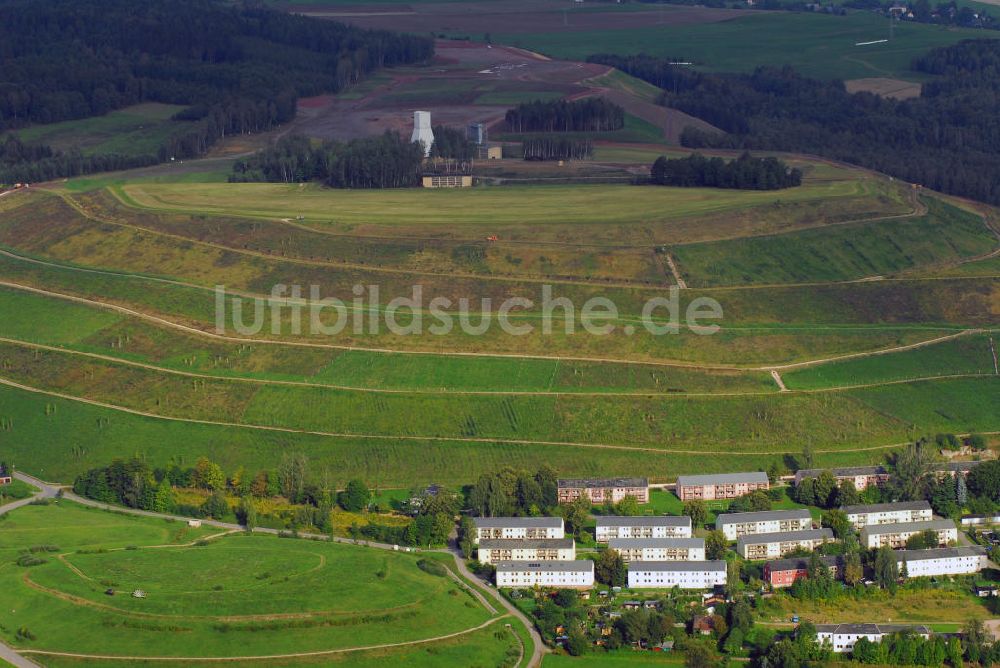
column 432, row 567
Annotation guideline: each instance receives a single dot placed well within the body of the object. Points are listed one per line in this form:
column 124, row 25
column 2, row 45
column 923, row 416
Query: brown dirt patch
column 894, row 88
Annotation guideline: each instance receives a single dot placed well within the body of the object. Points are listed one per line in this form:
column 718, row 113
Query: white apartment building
column 683, row 574
column 666, row 526
column 888, row 513
column 517, row 528
column 943, row 561
column 841, row 637
column 659, row 549
column 563, row 574
column 777, row 545
column 734, row 525
column 491, row 550
column 896, row 535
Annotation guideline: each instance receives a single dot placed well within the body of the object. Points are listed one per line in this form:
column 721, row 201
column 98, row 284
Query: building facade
column 734, row 525
column 659, row 549
column 562, row 574
column 604, row 489
column 666, row 526
column 896, row 535
column 888, row 513
column 943, row 561
column 720, row 486
column 755, row 547
column 683, row 574
column 522, row 528
column 842, row 637
column 784, row 572
column 862, row 477
column 491, row 551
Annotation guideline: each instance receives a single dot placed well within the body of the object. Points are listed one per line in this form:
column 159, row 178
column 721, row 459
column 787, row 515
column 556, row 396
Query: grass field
column 946, row 604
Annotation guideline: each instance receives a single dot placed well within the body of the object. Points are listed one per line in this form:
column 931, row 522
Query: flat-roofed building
column 720, row 485
column 577, row 574
column 661, row 526
column 659, row 549
column 734, row 525
column 599, row 490
column 491, row 551
column 683, row 574
column 943, row 561
column 784, row 572
column 842, row 637
column 517, row 527
column 862, row 477
column 888, row 513
column 776, row 545
column 896, row 535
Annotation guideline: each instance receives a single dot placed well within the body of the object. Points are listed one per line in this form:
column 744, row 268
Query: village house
column 784, row 572
column 720, row 485
column 888, row 513
column 896, row 535
column 491, row 550
column 979, row 520
column 682, row 574
column 774, row 545
column 943, row 561
column 862, row 477
column 664, row 526
column 6, row 478
column 734, row 525
column 842, row 637
column 659, row 549
column 517, row 528
column 577, row 574
column 600, row 490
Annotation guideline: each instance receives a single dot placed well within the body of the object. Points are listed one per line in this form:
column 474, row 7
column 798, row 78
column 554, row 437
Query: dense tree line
column 452, row 143
column 744, row 173
column 592, row 114
column 947, row 139
column 557, row 148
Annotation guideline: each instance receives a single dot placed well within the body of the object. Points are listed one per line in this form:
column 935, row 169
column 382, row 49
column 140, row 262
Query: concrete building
column 446, row 180
column 784, row 572
column 888, row 513
column 599, row 490
column 720, row 485
column 422, row 131
column 943, row 561
column 663, row 526
column 562, row 574
column 896, row 535
column 526, row 549
column 979, row 520
column 683, row 574
column 841, row 637
column 734, row 525
column 659, row 549
column 517, row 528
column 774, row 545
column 862, row 477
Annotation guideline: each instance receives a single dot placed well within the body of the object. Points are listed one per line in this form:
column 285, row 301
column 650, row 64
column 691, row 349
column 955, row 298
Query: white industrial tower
column 422, row 130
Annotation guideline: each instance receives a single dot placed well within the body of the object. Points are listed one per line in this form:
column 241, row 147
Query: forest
column 593, row 114
column 240, row 67
column 744, row 173
column 557, row 148
column 946, row 139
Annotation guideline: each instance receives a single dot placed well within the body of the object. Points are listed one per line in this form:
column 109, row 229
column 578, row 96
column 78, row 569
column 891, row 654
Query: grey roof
column 800, row 563
column 640, row 521
column 602, row 482
column 843, row 471
column 526, row 543
column 940, row 553
column 784, row 536
column 907, row 527
column 529, row 522
column 883, row 507
column 762, row 516
column 870, row 629
column 722, row 478
column 717, row 565
column 577, row 566
column 636, row 543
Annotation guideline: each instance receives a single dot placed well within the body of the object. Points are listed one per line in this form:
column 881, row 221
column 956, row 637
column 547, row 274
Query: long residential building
column 862, row 477
column 720, row 485
column 599, row 490
column 943, row 561
column 734, row 525
column 683, row 574
column 776, row 545
column 661, row 526
column 659, row 549
column 784, row 572
column 517, row 527
column 842, row 637
column 491, row 551
column 577, row 574
column 888, row 513
column 896, row 535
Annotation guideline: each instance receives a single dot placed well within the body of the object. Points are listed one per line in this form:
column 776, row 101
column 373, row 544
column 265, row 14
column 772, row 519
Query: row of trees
column 557, row 148
column 592, row 114
column 744, row 173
